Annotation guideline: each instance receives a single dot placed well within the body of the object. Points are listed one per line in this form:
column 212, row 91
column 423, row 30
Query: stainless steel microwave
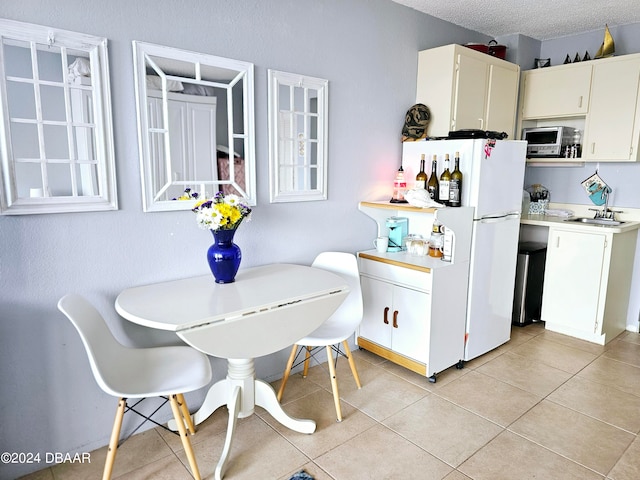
column 547, row 141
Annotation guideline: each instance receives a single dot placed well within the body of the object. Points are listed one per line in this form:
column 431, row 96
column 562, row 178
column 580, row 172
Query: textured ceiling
column 539, row 19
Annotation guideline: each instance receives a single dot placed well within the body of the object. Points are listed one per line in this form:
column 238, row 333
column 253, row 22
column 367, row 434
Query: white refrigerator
column 493, row 177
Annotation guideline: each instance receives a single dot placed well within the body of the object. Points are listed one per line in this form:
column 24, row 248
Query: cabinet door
column 411, row 320
column 502, row 98
column 203, row 144
column 193, row 144
column 179, row 139
column 470, row 93
column 612, row 122
column 378, row 312
column 556, row 92
column 572, row 278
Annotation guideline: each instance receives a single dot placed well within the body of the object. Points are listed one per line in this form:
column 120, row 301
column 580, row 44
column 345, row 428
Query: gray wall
column 368, row 51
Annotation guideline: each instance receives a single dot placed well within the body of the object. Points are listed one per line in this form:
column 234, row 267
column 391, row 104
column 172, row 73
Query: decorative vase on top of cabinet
column 415, row 306
column 466, row 89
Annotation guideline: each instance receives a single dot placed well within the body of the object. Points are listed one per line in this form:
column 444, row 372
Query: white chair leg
column 287, row 371
column 334, row 383
column 352, row 363
column 186, row 443
column 113, row 441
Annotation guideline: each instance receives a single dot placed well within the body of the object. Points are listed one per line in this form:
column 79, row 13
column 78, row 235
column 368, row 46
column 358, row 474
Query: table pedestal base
column 241, row 392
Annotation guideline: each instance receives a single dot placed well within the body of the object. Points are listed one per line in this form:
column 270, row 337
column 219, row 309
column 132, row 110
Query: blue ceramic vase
column 224, row 256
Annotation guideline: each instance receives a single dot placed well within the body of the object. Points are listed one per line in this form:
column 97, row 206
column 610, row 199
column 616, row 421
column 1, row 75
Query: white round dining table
column 267, row 308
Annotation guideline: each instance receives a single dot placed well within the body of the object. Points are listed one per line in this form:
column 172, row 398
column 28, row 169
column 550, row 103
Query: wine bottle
column 455, row 185
column 432, row 185
column 421, row 178
column 445, row 179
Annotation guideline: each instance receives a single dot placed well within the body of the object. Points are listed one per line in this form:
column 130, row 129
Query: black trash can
column 527, row 298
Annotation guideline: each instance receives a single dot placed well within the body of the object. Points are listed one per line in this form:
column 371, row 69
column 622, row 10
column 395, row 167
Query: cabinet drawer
column 397, row 275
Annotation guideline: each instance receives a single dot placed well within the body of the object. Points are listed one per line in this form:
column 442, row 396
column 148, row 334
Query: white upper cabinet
column 467, row 89
column 599, row 97
column 556, row 92
column 502, row 94
column 612, row 130
column 470, row 94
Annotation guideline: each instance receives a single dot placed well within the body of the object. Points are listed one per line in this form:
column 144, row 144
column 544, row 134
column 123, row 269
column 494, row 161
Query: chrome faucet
column 605, row 213
column 605, row 210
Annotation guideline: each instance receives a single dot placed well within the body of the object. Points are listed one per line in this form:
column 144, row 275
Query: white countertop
column 552, row 221
column 404, row 259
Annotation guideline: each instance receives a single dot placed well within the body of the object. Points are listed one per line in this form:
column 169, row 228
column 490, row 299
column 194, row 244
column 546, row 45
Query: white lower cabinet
column 587, row 283
column 415, row 306
column 398, row 318
column 403, row 322
column 572, row 281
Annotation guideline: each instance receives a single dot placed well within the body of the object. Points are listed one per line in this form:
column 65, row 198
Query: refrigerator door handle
column 500, row 218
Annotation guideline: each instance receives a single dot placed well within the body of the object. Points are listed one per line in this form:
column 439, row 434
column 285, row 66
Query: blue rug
column 301, row 475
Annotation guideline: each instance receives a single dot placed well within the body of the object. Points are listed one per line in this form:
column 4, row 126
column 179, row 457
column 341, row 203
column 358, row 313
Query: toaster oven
column 547, row 141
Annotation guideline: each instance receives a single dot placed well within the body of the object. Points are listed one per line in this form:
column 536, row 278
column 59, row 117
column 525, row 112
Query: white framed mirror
column 195, row 126
column 56, row 134
column 298, row 121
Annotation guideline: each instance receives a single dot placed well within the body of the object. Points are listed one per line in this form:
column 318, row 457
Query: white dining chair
column 336, row 329
column 126, row 372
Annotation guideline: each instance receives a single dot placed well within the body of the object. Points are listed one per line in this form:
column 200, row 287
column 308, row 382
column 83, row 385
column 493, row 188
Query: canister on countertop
column 416, row 245
column 539, row 199
column 436, row 241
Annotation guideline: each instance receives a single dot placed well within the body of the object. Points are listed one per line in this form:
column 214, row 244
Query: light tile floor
column 542, row 406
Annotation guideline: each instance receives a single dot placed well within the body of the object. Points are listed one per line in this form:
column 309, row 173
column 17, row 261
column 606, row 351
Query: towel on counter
column 559, row 213
column 419, row 197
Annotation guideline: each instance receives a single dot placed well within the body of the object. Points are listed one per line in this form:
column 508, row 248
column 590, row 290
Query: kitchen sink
column 596, row 221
